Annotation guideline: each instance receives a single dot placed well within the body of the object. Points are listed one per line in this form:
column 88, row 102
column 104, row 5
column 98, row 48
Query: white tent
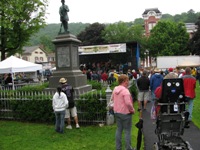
column 14, row 64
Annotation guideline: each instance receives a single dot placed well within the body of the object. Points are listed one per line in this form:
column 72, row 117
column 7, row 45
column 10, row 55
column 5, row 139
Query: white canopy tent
column 14, row 64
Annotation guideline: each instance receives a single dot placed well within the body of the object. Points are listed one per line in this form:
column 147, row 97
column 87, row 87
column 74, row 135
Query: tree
column 191, row 16
column 117, row 33
column 167, row 17
column 168, row 38
column 194, row 42
column 19, row 19
column 92, row 34
column 139, row 21
column 46, row 41
column 121, row 32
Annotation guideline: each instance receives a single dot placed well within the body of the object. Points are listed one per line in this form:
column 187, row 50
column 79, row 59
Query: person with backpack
column 71, row 111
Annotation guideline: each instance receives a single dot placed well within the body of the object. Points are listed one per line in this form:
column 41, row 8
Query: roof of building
column 51, row 54
column 151, row 9
column 30, row 49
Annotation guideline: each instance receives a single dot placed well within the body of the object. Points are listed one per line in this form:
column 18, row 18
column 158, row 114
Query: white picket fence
column 7, row 97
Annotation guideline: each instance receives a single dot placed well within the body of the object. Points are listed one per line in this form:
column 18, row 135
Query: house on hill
column 34, row 54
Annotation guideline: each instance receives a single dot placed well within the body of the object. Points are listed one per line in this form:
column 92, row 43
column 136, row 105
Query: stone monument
column 67, row 61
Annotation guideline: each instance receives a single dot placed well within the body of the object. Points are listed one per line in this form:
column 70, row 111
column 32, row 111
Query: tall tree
column 19, row 19
column 194, row 43
column 139, row 21
column 121, row 32
column 168, row 38
column 191, row 16
column 92, row 34
column 117, row 32
column 167, row 17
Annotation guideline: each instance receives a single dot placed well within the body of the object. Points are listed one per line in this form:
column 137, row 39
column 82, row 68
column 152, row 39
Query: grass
column 28, row 136
column 196, row 109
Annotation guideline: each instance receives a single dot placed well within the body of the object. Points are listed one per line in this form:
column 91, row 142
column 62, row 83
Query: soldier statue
column 64, row 17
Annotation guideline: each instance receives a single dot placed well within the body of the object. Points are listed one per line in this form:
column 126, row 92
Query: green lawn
column 32, row 136
column 196, row 110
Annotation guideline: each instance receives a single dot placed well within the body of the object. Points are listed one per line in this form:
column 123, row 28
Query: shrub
column 29, row 88
column 134, row 91
column 95, row 84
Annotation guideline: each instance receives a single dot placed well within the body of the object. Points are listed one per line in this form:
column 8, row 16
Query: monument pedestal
column 67, row 64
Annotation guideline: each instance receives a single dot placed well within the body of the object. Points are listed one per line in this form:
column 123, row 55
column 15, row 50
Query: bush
column 95, row 84
column 92, row 106
column 32, row 110
column 134, row 91
column 29, row 88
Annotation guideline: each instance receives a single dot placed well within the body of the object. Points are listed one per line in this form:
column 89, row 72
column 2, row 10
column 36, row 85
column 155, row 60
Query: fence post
column 109, row 117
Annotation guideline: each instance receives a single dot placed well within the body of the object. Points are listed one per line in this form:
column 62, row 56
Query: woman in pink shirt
column 123, row 108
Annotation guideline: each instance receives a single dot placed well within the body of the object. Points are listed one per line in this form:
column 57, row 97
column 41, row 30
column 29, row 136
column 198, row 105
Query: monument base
column 67, row 64
column 74, row 77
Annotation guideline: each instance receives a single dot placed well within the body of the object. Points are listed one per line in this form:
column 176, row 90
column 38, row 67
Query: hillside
column 48, row 33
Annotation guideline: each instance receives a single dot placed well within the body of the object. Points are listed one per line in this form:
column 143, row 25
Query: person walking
column 71, row 110
column 143, row 84
column 155, row 81
column 171, row 74
column 59, row 103
column 189, row 83
column 123, row 109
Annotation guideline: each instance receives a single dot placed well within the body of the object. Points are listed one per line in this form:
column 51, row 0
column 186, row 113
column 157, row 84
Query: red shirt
column 189, row 83
column 104, row 77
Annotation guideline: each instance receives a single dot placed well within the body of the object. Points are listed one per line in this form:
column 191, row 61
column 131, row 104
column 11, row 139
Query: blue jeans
column 153, row 97
column 60, row 121
column 124, row 122
column 190, row 107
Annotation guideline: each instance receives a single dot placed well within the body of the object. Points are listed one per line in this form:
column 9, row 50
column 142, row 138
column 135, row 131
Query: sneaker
column 69, row 127
column 77, row 126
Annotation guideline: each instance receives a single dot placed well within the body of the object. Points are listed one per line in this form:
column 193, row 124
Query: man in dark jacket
column 143, row 84
column 71, row 111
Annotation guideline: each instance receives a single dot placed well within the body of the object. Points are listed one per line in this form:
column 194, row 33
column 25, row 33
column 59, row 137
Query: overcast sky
column 110, row 11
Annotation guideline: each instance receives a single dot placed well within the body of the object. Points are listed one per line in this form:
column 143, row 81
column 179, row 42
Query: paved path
column 191, row 134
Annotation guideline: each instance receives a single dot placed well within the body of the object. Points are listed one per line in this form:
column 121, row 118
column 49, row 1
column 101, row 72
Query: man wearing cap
column 71, row 110
column 171, row 74
column 155, row 81
column 181, row 73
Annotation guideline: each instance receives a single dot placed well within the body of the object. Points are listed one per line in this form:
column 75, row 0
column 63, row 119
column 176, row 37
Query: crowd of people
column 154, row 81
column 147, row 82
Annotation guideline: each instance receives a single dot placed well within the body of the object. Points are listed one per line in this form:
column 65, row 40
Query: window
column 41, row 52
column 25, row 58
column 36, row 52
column 36, row 59
column 51, row 59
column 151, row 25
column 41, row 58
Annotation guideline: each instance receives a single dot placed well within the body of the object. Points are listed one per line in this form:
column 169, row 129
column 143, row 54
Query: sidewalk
column 191, row 134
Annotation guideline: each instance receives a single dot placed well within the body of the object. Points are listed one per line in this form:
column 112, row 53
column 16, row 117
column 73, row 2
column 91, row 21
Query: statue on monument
column 63, row 11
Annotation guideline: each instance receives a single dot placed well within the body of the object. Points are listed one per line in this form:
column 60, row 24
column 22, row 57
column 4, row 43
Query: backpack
column 68, row 90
